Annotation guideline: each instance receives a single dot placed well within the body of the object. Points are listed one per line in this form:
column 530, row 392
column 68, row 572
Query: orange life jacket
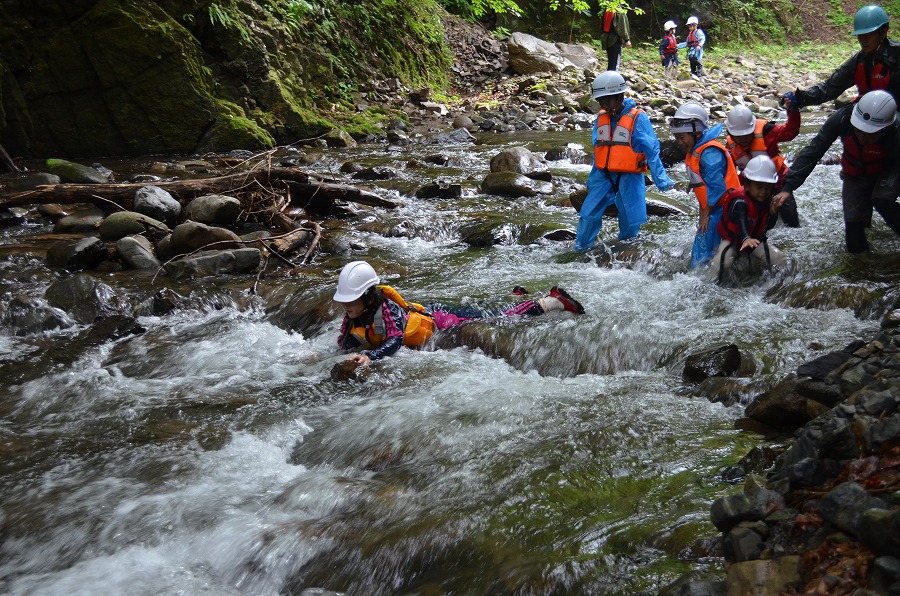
column 741, row 156
column 671, row 45
column 419, row 324
column 757, row 217
column 696, row 182
column 608, row 17
column 613, row 152
column 862, row 160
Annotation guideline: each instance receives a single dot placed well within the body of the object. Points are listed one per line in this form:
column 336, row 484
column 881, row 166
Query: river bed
column 214, row 454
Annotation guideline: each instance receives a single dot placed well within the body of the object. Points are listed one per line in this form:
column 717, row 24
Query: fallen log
column 306, row 189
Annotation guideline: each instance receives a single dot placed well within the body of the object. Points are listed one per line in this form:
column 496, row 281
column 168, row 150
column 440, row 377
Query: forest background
column 128, row 77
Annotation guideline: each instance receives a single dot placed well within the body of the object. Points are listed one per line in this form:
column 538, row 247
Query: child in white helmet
column 710, row 174
column 696, row 39
column 749, row 136
column 745, row 218
column 668, row 50
column 625, row 146
column 378, row 320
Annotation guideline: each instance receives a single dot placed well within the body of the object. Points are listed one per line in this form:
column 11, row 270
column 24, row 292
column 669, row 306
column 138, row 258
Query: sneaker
column 569, row 303
column 520, row 291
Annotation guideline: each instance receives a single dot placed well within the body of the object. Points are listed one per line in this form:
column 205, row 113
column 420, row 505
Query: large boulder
column 530, row 55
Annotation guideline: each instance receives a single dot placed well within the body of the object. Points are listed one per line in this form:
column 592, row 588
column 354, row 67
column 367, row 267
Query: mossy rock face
column 124, row 77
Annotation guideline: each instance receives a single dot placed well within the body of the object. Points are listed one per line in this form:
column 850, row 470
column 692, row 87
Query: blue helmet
column 869, row 18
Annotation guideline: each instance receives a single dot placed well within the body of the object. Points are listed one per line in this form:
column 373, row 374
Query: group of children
column 742, row 186
column 669, row 46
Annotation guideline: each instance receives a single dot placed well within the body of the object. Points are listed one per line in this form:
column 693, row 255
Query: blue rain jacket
column 713, row 165
column 631, row 199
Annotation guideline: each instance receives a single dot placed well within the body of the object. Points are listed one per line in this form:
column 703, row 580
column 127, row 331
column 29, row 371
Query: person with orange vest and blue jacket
column 870, row 170
column 711, row 174
column 749, row 137
column 625, row 146
column 875, row 66
column 379, row 321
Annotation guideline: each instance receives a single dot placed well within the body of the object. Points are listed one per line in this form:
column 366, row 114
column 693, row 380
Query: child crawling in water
column 378, row 320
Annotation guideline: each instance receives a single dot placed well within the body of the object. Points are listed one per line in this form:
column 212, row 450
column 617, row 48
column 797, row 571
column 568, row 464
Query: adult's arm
column 811, row 154
column 839, row 81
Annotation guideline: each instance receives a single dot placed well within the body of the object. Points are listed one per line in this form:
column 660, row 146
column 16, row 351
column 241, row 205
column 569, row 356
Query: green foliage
column 837, row 17
column 475, row 9
column 221, row 16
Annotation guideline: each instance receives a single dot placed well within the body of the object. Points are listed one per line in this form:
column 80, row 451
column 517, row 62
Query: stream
column 215, row 454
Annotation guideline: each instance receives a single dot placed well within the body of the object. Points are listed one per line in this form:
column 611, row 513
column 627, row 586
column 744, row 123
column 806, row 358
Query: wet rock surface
column 825, row 517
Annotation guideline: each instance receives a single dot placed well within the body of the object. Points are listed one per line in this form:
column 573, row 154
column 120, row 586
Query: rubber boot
column 855, row 233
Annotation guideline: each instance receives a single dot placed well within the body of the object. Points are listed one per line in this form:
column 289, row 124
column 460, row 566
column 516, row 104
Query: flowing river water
column 214, row 454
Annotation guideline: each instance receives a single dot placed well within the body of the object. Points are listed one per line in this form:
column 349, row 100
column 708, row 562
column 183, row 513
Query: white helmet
column 690, row 117
column 761, row 169
column 669, row 25
column 740, row 121
column 874, row 111
column 608, row 83
column 355, row 278
column 693, row 21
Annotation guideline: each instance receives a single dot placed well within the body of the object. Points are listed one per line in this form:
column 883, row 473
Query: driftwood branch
column 304, row 189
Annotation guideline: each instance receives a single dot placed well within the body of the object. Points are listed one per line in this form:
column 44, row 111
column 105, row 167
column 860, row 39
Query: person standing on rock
column 614, row 34
column 711, row 174
column 875, row 66
column 625, row 146
column 745, row 219
column 668, row 50
column 379, row 321
column 749, row 137
column 870, row 134
column 696, row 39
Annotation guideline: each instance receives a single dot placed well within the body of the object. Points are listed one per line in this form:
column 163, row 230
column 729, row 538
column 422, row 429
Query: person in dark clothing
column 870, row 134
column 614, row 34
column 875, row 66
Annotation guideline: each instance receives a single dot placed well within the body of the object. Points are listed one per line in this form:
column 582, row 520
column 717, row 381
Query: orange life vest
column 608, row 17
column 741, row 155
column 419, row 324
column 613, row 151
column 696, row 182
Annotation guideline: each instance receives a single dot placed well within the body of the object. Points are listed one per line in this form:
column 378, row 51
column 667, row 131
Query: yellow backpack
column 419, row 324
